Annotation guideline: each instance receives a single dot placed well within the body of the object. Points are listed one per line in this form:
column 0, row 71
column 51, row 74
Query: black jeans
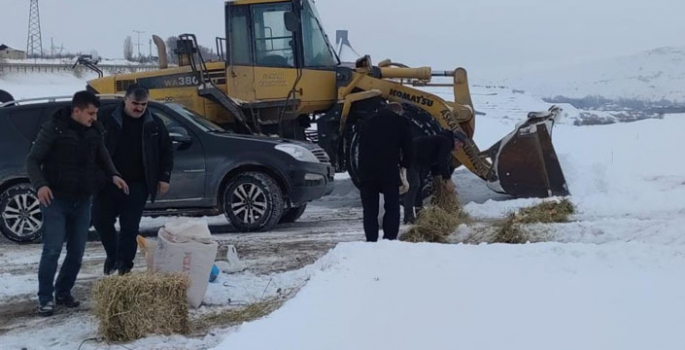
column 414, row 196
column 370, row 194
column 111, row 203
column 65, row 220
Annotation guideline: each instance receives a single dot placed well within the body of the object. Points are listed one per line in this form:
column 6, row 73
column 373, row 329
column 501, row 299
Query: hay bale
column 547, row 212
column 238, row 316
column 437, row 221
column 444, row 198
column 510, row 231
column 434, row 224
column 134, row 305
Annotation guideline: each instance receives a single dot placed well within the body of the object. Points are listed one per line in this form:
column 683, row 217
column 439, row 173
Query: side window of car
column 172, row 125
column 27, row 122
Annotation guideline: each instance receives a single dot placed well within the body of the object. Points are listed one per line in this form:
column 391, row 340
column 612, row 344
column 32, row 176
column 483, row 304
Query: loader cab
column 275, row 47
column 277, row 34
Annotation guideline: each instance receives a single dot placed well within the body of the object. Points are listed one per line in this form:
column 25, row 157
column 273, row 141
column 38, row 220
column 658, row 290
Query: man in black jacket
column 62, row 166
column 141, row 149
column 431, row 155
column 384, row 145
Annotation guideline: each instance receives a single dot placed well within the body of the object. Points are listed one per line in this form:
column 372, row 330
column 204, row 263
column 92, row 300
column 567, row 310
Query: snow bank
column 396, row 295
column 612, row 171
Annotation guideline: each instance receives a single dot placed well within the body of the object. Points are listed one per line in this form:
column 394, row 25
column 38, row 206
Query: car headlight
column 298, row 152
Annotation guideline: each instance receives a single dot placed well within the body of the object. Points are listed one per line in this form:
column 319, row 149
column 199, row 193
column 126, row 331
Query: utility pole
column 138, row 32
column 150, row 55
column 34, row 43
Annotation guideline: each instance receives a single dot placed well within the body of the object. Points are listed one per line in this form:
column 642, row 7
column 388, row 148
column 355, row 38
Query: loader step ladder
column 188, row 45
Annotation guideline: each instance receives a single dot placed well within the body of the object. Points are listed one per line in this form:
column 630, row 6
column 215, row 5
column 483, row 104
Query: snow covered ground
column 71, row 61
column 24, row 86
column 426, row 296
column 612, row 278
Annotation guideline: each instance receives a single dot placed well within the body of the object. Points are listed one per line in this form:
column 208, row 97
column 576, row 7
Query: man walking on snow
column 140, row 146
column 62, row 166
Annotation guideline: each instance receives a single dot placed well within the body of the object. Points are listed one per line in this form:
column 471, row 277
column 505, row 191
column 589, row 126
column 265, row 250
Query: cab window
column 317, row 51
column 273, row 43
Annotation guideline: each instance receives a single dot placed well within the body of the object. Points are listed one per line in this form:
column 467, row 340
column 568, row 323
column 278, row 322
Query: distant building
column 10, row 53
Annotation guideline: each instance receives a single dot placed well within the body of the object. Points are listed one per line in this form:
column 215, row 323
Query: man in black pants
column 141, row 149
column 431, row 155
column 384, row 145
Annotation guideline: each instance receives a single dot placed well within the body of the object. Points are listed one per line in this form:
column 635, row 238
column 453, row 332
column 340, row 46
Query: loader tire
column 361, row 111
column 422, row 124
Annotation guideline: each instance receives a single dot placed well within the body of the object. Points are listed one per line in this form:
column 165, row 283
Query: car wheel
column 292, row 214
column 253, row 201
column 22, row 219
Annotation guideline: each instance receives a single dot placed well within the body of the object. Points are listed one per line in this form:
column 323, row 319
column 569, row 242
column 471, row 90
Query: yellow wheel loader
column 277, row 74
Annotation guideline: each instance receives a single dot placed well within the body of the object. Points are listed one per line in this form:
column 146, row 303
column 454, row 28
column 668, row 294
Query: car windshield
column 197, row 119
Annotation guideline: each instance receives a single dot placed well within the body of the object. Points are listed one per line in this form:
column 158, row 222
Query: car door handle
column 194, row 171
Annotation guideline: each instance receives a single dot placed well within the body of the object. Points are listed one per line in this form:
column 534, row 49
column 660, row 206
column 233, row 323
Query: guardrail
column 53, row 67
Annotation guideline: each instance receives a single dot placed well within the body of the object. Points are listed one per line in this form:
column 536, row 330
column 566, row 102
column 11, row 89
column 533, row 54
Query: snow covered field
column 612, row 278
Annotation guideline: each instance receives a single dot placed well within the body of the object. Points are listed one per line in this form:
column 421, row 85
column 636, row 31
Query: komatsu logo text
column 420, row 100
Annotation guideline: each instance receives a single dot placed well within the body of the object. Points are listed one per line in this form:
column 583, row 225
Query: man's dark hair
column 83, row 99
column 137, row 92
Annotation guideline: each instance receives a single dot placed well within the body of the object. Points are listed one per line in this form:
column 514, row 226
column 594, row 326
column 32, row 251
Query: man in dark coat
column 62, row 166
column 431, row 155
column 141, row 149
column 384, row 146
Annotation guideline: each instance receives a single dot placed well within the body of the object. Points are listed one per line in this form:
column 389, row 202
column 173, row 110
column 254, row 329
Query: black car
column 255, row 181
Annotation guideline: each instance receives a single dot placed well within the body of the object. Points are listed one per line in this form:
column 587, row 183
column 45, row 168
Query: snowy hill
column 651, row 75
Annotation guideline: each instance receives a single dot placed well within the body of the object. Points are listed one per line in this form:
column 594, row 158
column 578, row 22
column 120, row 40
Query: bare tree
column 208, row 53
column 128, row 48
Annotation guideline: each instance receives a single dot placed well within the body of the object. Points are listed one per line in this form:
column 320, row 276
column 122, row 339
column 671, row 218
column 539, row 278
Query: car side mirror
column 179, row 134
column 180, row 138
column 292, row 23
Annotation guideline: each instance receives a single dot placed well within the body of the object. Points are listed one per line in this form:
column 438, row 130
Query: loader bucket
column 525, row 162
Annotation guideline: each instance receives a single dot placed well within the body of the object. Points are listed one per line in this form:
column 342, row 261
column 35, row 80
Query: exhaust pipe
column 161, row 52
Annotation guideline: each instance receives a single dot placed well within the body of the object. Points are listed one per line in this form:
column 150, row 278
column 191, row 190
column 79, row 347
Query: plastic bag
column 187, row 250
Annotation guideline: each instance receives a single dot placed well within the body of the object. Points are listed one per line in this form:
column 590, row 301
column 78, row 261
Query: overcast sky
column 476, row 34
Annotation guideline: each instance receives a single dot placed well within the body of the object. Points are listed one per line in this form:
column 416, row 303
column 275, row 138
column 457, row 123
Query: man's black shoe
column 109, row 267
column 46, row 309
column 124, row 268
column 67, row 301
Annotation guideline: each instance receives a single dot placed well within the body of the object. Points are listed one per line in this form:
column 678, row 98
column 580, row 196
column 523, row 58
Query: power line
column 138, row 32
